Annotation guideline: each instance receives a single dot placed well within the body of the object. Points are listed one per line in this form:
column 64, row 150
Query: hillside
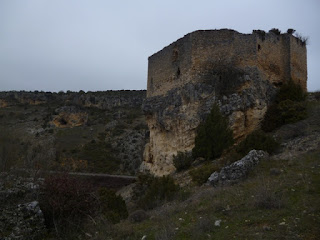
column 278, row 200
column 103, row 132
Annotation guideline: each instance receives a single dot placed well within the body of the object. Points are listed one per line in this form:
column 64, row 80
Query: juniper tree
column 213, row 136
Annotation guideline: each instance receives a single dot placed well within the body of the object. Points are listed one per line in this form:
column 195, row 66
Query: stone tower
column 239, row 72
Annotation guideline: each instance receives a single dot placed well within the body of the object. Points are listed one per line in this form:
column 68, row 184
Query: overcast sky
column 54, row 45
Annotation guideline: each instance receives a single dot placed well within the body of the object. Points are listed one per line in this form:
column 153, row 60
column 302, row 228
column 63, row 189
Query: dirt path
column 97, row 179
column 104, row 180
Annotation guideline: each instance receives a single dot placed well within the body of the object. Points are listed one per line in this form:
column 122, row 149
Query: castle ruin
column 239, row 72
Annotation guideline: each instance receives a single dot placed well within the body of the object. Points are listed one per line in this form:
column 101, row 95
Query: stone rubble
column 20, row 213
column 237, row 170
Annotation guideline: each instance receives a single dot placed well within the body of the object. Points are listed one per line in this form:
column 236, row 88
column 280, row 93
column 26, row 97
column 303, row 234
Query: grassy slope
column 265, row 206
column 70, row 143
column 280, row 199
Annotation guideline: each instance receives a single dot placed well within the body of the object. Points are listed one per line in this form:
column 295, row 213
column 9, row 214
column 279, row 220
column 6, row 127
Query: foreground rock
column 24, row 221
column 237, row 170
column 20, row 213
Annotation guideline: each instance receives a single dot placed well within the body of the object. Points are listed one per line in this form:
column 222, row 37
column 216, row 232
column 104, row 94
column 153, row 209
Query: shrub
column 291, row 31
column 112, row 206
column 182, row 160
column 257, row 140
column 200, row 175
column 165, row 233
column 275, row 31
column 159, row 190
column 9, row 150
column 202, row 227
column 292, row 111
column 138, row 216
column 288, row 107
column 265, row 197
column 66, row 202
column 230, row 157
column 100, row 157
column 303, row 40
column 70, row 164
column 290, row 91
column 141, row 126
column 272, row 119
column 144, row 180
column 316, row 95
column 213, row 136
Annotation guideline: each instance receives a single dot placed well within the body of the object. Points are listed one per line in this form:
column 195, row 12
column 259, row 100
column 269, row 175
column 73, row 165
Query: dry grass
column 246, row 210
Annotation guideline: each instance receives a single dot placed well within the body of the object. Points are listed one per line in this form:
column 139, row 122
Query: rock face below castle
column 239, row 72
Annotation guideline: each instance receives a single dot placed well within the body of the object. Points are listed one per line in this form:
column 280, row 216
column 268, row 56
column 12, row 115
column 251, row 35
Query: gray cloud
column 100, row 45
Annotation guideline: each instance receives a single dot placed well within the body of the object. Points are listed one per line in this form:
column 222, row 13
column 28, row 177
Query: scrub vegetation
column 289, row 107
column 279, row 199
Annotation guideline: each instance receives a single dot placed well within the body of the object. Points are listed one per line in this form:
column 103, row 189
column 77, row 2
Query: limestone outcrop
column 69, row 116
column 239, row 72
column 237, row 170
column 101, row 100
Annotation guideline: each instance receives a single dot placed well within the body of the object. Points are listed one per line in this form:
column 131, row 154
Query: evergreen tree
column 213, row 136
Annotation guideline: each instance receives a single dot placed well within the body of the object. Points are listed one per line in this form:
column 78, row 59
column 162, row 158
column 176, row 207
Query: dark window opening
column 63, row 121
column 178, row 72
column 259, row 47
column 277, row 84
column 220, row 78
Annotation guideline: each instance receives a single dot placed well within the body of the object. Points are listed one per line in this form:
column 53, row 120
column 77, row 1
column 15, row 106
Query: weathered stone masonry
column 240, row 72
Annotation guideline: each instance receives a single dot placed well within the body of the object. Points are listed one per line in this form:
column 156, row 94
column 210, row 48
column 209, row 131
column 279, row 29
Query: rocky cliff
column 224, row 67
column 173, row 118
column 101, row 100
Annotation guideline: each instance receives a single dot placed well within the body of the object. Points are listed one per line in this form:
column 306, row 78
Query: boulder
column 237, row 170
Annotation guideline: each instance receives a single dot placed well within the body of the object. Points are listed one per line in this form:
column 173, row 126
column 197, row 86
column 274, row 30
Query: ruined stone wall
column 273, row 57
column 278, row 57
column 298, row 62
column 198, row 54
column 166, row 67
column 213, row 50
column 281, row 58
column 239, row 72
